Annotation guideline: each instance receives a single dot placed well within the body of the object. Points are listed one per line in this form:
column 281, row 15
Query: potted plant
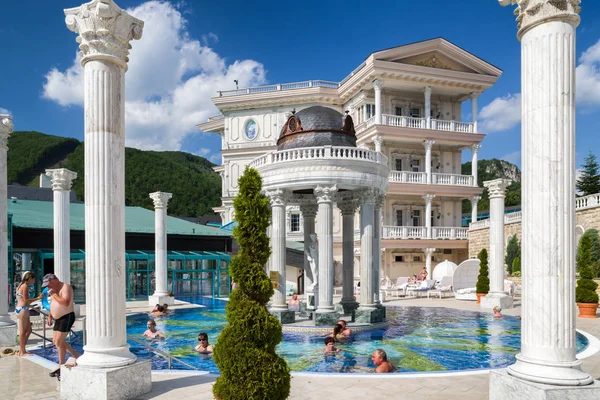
column 585, row 292
column 483, row 280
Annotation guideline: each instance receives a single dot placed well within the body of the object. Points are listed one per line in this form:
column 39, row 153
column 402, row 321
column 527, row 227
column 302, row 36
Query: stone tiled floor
column 22, row 379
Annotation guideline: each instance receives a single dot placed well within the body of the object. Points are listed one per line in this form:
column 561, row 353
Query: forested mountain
column 195, row 186
column 488, row 170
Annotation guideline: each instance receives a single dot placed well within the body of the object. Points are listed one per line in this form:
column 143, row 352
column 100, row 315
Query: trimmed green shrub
column 516, row 266
column 585, row 292
column 483, row 280
column 245, row 349
column 513, row 250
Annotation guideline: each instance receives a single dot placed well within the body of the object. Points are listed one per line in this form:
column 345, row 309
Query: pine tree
column 589, row 180
column 585, row 292
column 513, row 250
column 483, row 280
column 245, row 349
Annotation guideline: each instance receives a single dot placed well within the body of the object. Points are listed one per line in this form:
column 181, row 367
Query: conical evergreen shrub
column 245, row 349
column 585, row 292
column 483, row 280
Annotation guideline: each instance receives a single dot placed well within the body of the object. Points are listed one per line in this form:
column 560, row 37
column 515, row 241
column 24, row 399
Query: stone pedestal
column 130, row 382
column 285, row 316
column 369, row 316
column 324, row 319
column 492, row 300
column 506, row 387
column 154, row 300
column 8, row 335
column 346, row 308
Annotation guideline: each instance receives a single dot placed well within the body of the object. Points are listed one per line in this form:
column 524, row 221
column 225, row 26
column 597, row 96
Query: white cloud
column 588, row 76
column 214, row 157
column 4, row 111
column 514, row 158
column 501, row 114
column 170, row 80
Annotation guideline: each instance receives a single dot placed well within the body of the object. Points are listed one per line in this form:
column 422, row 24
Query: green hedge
column 585, row 292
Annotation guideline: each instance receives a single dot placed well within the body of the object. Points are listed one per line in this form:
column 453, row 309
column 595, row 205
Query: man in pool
column 346, row 331
column 203, row 347
column 381, row 362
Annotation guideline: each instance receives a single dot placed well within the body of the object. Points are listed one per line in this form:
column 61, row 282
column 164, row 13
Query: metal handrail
column 162, row 353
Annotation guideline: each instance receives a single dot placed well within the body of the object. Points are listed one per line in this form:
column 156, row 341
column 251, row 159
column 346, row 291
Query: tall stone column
column 474, row 201
column 474, row 110
column 428, row 146
column 377, row 249
column 428, row 107
column 325, row 314
column 474, row 150
column 161, row 291
column 8, row 329
column 377, row 85
column 548, row 346
column 279, row 306
column 428, row 200
column 104, row 35
column 348, row 210
column 62, row 180
column 496, row 295
column 309, row 212
column 428, row 253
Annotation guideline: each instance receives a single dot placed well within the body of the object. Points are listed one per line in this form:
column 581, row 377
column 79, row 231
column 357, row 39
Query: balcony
column 436, row 178
column 279, row 87
column 420, row 232
column 419, row 123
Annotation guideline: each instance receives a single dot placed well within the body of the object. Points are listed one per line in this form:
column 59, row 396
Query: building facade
column 407, row 101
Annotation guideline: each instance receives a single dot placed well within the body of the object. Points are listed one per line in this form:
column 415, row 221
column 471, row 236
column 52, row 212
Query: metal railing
column 161, row 353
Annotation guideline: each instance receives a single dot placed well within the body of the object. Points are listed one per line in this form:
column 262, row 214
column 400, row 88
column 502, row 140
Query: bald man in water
column 380, row 360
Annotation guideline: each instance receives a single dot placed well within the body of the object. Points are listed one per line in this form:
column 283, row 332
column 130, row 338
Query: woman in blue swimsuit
column 22, row 309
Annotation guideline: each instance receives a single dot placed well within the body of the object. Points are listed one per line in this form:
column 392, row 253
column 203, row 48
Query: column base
column 326, row 318
column 346, row 308
column 129, row 382
column 115, row 357
column 506, row 387
column 501, row 300
column 549, row 373
column 8, row 335
column 284, row 316
column 160, row 299
column 369, row 315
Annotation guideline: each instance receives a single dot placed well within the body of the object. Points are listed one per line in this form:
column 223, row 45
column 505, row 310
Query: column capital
column 277, row 197
column 160, row 199
column 475, row 95
column 348, row 207
column 531, row 13
column 497, row 187
column 324, row 194
column 475, row 147
column 308, row 210
column 475, row 199
column 6, row 128
column 427, row 90
column 377, row 84
column 428, row 198
column 104, row 30
column 429, row 251
column 368, row 196
column 62, row 178
column 378, row 140
column 428, row 144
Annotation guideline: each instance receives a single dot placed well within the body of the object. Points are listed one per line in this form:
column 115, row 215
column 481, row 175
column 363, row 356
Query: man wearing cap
column 61, row 310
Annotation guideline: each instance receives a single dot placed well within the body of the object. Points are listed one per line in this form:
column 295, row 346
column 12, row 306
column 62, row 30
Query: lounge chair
column 445, row 286
column 399, row 288
column 422, row 289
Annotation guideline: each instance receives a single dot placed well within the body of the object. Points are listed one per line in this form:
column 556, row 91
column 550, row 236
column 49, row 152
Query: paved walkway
column 23, row 379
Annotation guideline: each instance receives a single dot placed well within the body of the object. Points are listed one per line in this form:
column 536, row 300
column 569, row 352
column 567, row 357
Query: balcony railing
column 315, row 153
column 436, row 179
column 420, row 232
column 420, row 123
column 590, row 201
column 279, row 87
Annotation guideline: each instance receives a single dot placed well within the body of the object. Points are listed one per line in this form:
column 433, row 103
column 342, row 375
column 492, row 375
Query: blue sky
column 191, row 49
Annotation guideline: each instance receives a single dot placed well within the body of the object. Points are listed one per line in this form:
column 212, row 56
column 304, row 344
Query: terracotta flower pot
column 587, row 310
column 479, row 296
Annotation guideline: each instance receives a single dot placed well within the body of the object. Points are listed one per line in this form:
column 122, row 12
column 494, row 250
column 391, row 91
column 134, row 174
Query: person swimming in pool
column 152, row 332
column 330, row 345
column 203, row 346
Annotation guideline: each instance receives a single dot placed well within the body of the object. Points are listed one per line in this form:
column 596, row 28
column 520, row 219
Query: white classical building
column 408, row 102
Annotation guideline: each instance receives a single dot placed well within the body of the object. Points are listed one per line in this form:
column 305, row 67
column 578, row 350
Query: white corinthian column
column 278, row 200
column 8, row 329
column 496, row 296
column 548, row 347
column 62, row 180
column 161, row 292
column 104, row 35
column 324, row 197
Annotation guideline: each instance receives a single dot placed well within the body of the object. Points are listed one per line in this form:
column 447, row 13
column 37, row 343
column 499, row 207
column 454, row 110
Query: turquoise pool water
column 417, row 339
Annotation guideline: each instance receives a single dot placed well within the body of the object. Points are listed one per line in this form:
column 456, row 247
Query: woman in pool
column 497, row 313
column 337, row 333
column 330, row 345
column 157, row 311
column 22, row 309
column 151, row 332
column 203, row 346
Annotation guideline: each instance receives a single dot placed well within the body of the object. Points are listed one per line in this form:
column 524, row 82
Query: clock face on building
column 251, row 129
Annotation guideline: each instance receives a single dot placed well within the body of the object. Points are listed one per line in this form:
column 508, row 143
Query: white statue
column 313, row 259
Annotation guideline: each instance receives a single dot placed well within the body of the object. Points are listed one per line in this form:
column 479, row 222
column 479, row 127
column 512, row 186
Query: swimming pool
column 417, row 339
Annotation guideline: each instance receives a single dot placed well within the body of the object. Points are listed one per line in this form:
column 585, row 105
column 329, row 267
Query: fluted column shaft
column 474, row 110
column 324, row 197
column 474, row 150
column 161, row 201
column 104, row 34
column 428, row 108
column 309, row 213
column 278, row 204
column 61, row 186
column 6, row 128
column 474, row 201
column 428, row 200
column 367, row 234
column 377, row 248
column 377, row 87
column 428, row 146
column 348, row 211
column 497, row 190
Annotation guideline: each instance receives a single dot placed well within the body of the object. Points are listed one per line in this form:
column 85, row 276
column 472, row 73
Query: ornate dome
column 317, row 126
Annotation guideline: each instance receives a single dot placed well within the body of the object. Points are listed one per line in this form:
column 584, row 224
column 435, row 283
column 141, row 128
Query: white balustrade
column 420, row 232
column 513, row 217
column 484, row 223
column 284, row 86
column 452, row 179
column 590, row 201
column 315, row 153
